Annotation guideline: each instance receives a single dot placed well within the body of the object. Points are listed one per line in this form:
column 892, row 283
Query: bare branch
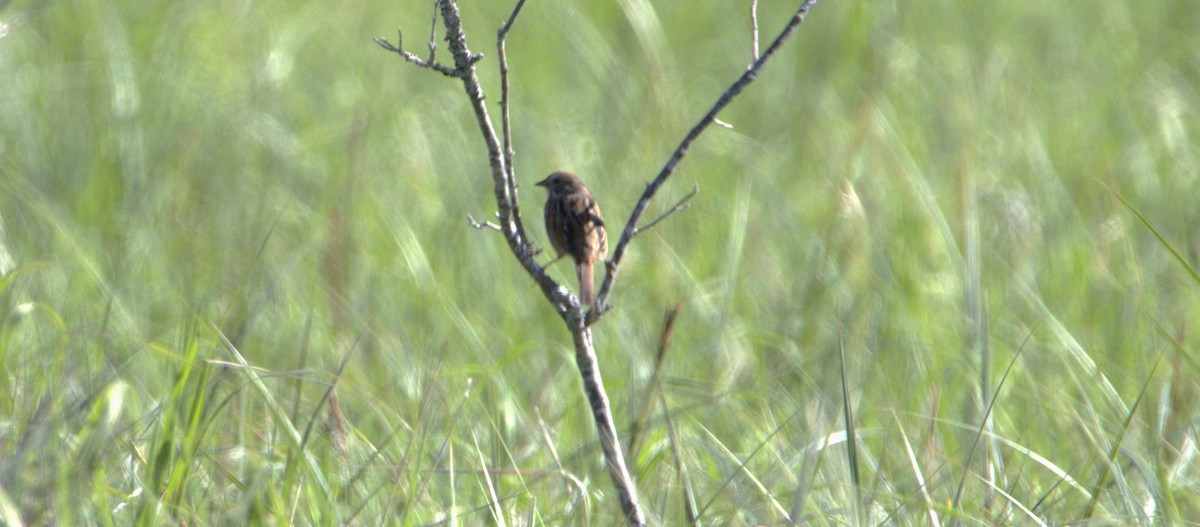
column 449, row 72
column 754, row 25
column 614, row 459
column 487, row 224
column 510, row 172
column 682, row 204
column 614, row 263
column 514, row 232
column 508, row 213
column 500, row 161
column 511, row 19
column 559, row 297
column 433, row 32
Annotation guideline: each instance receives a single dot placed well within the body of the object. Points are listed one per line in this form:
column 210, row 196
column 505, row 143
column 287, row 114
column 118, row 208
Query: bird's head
column 561, row 183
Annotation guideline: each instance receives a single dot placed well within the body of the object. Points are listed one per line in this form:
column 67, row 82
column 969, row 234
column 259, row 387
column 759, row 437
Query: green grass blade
column 279, row 413
column 1161, row 240
column 1107, row 467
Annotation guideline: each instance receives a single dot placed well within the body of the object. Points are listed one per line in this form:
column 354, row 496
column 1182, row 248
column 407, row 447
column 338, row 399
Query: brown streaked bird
column 575, row 227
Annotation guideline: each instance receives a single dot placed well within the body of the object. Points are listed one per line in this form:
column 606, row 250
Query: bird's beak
column 543, row 183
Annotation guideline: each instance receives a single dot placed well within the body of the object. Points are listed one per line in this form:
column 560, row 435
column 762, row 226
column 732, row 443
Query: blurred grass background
column 930, row 188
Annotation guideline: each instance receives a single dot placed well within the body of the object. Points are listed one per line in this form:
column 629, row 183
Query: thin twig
column 449, row 72
column 482, row 225
column 514, row 232
column 512, row 18
column 614, row 264
column 682, row 204
column 433, row 31
column 754, row 25
column 505, row 119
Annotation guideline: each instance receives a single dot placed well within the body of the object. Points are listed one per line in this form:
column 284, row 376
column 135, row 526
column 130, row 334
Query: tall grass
column 239, row 288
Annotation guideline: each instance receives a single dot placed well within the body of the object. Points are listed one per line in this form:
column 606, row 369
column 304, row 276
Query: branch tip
column 748, row 76
column 482, row 225
column 754, row 25
column 383, row 42
column 512, row 19
column 399, row 50
column 433, row 31
column 680, row 205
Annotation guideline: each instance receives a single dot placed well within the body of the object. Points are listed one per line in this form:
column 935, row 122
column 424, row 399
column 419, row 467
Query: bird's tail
column 586, row 292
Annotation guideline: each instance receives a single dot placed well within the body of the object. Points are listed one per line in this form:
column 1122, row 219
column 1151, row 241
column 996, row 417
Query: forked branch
column 508, row 217
column 430, row 63
column 614, row 264
column 509, row 223
column 680, row 205
column 499, row 157
column 510, row 172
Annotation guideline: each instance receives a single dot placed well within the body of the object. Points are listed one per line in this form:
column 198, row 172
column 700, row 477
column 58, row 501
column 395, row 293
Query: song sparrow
column 575, row 227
